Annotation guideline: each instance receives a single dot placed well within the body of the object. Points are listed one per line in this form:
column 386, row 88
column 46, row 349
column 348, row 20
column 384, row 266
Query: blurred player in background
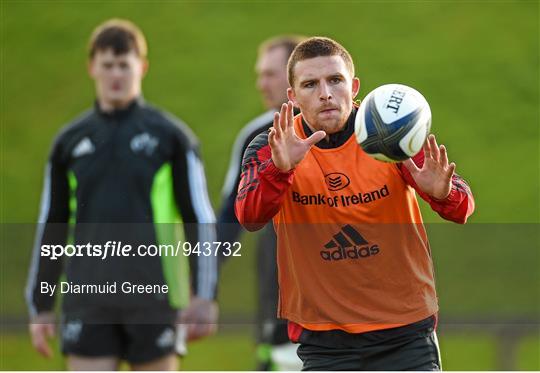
column 117, row 171
column 375, row 307
column 274, row 349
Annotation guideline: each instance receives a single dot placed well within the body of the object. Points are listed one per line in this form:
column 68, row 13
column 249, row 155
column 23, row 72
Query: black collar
column 120, row 113
column 336, row 139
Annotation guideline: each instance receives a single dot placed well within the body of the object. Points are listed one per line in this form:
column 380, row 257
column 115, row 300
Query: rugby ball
column 392, row 123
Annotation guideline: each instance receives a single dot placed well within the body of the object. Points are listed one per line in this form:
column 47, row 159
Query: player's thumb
column 315, row 138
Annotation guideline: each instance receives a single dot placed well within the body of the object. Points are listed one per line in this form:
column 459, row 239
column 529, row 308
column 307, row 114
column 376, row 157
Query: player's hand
column 200, row 318
column 42, row 328
column 435, row 176
column 287, row 148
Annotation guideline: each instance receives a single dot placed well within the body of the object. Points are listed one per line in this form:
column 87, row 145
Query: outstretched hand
column 435, row 176
column 42, row 328
column 287, row 148
column 201, row 317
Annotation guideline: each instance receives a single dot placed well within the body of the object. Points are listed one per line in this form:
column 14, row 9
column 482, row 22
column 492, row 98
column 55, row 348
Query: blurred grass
column 235, row 351
column 476, row 62
column 224, row 351
column 528, row 357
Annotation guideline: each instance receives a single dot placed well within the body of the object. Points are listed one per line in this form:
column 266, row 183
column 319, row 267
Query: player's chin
column 116, row 97
column 272, row 104
column 331, row 126
column 119, row 99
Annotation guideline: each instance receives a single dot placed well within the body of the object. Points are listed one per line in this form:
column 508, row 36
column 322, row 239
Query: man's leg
column 82, row 363
column 165, row 363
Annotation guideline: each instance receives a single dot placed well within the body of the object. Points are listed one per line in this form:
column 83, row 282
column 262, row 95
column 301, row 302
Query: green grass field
column 476, row 62
column 235, row 351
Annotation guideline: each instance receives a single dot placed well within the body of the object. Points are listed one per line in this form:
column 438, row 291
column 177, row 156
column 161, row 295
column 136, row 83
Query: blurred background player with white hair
column 274, row 351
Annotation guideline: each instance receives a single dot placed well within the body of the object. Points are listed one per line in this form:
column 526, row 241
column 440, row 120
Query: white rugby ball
column 392, row 123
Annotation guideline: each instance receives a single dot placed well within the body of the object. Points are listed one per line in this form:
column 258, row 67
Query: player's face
column 271, row 69
column 118, row 77
column 324, row 91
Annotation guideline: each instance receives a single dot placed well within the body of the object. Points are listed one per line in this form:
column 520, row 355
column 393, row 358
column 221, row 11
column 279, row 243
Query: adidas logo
column 348, row 243
column 84, row 146
column 166, row 339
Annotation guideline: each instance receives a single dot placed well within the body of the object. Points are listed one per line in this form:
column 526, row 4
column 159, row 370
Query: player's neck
column 107, row 106
column 327, row 137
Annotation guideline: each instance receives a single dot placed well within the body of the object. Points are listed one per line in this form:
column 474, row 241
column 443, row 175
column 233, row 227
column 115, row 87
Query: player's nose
column 324, row 92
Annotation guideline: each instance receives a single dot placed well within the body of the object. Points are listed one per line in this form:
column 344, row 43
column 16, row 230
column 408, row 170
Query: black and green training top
column 129, row 177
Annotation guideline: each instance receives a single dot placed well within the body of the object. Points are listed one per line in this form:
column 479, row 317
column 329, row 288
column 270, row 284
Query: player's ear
column 291, row 96
column 355, row 86
column 90, row 68
column 145, row 66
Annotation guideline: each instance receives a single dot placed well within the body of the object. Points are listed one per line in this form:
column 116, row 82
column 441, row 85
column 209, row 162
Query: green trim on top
column 169, row 232
column 72, row 204
column 72, row 183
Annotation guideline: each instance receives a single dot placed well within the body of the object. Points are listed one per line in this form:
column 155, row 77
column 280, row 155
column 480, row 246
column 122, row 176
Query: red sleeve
column 262, row 186
column 459, row 204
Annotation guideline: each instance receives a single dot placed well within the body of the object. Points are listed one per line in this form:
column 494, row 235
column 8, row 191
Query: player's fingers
column 203, row 330
column 197, row 331
column 290, row 114
column 39, row 341
column 427, row 149
column 48, row 330
column 210, row 330
column 276, row 126
column 451, row 170
column 191, row 332
column 315, row 138
column 272, row 137
column 283, row 117
column 46, row 350
column 443, row 156
column 434, row 148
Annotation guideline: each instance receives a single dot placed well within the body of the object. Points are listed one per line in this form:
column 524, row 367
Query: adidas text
column 350, row 253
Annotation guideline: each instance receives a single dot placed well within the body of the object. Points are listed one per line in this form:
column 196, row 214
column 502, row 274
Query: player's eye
column 107, row 65
column 335, row 80
column 309, row 84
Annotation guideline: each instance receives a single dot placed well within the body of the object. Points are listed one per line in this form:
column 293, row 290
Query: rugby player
column 274, row 351
column 356, row 280
column 123, row 171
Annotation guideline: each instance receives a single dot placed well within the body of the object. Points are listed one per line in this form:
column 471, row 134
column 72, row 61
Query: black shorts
column 411, row 347
column 133, row 340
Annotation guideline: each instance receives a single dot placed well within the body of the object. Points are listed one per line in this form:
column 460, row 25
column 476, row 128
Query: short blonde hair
column 287, row 42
